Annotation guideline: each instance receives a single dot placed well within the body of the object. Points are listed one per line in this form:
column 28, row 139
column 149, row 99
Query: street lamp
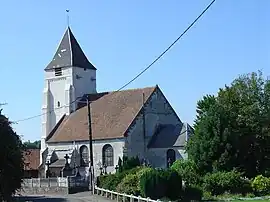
column 91, row 167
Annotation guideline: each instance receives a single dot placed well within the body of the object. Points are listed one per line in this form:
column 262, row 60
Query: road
column 78, row 197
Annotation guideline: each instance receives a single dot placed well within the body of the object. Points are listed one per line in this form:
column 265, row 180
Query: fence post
column 117, row 197
column 139, row 198
column 131, row 198
column 32, row 185
column 111, row 196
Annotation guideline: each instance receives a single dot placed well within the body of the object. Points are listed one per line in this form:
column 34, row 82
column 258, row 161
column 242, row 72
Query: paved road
column 79, row 197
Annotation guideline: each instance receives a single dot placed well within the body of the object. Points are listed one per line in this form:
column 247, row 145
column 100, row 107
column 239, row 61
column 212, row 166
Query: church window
column 58, row 104
column 170, row 157
column 84, row 159
column 58, row 71
column 107, row 155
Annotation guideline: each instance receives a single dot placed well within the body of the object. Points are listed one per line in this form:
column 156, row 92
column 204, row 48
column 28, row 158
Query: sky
column 121, row 38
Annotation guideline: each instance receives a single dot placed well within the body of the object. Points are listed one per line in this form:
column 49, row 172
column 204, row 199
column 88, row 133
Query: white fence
column 45, row 182
column 121, row 197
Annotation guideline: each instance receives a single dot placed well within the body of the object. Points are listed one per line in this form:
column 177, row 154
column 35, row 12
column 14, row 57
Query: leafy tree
column 232, row 129
column 32, row 145
column 11, row 158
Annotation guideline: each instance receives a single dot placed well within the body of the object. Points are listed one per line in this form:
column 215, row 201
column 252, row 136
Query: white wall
column 117, row 144
column 158, row 156
column 73, row 83
column 157, row 111
column 86, row 83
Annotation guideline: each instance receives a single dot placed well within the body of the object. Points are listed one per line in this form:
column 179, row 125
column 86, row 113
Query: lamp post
column 91, row 167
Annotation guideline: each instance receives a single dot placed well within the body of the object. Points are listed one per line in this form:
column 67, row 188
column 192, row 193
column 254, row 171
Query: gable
column 155, row 107
column 111, row 116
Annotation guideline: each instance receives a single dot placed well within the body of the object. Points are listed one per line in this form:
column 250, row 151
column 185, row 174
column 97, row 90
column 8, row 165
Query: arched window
column 58, row 104
column 107, row 155
column 170, row 157
column 84, row 158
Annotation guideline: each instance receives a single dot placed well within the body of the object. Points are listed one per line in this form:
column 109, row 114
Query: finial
column 67, row 17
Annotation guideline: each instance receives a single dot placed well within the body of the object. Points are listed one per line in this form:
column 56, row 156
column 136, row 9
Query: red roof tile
column 111, row 115
column 31, row 159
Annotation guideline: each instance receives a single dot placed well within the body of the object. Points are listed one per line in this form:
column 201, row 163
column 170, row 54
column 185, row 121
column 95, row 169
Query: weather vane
column 67, row 17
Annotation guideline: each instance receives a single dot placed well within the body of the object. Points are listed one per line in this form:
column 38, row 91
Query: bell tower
column 68, row 76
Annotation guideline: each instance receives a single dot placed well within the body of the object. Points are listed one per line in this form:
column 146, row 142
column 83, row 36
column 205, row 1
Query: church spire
column 69, row 53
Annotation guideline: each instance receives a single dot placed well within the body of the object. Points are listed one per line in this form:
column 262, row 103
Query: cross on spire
column 67, row 11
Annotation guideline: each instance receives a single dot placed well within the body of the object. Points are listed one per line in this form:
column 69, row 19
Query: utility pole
column 144, row 129
column 91, row 165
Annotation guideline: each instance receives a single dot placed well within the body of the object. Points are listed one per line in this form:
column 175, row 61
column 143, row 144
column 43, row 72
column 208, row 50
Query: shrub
column 129, row 185
column 111, row 181
column 158, row 184
column 129, row 163
column 221, row 182
column 261, row 185
column 192, row 193
column 188, row 170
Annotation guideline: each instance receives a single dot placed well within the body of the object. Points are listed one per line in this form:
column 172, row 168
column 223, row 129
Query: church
column 133, row 123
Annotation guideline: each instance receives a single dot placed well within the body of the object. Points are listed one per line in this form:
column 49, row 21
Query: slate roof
column 169, row 135
column 31, row 159
column 58, row 163
column 69, row 53
column 111, row 115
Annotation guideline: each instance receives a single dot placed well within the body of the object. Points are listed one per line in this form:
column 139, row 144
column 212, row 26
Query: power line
column 144, row 70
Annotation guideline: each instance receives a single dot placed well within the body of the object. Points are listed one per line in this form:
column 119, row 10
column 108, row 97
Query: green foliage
column 129, row 163
column 158, row 184
column 232, row 129
column 188, row 170
column 120, row 165
column 261, row 185
column 32, row 145
column 220, row 182
column 111, row 181
column 11, row 158
column 192, row 193
column 129, row 185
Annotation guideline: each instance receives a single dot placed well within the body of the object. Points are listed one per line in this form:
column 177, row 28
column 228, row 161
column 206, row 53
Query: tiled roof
column 31, row 159
column 69, row 53
column 111, row 116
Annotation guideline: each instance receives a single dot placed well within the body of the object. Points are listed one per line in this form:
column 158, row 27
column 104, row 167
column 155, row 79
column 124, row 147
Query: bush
column 158, row 184
column 221, row 182
column 192, row 193
column 261, row 185
column 129, row 185
column 111, row 181
column 188, row 170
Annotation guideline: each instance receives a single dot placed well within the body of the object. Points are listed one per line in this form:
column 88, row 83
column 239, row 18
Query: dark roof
column 59, row 163
column 69, row 53
column 169, row 135
column 111, row 115
column 31, row 159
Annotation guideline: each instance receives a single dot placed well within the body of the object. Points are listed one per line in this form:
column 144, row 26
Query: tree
column 11, row 158
column 32, row 145
column 232, row 129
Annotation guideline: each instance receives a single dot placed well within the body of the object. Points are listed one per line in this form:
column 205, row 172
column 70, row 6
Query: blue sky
column 121, row 38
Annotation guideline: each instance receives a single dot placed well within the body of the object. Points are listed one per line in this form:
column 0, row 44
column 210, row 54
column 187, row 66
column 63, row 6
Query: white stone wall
column 157, row 111
column 158, row 156
column 98, row 145
column 84, row 81
column 63, row 90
